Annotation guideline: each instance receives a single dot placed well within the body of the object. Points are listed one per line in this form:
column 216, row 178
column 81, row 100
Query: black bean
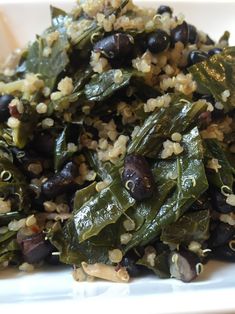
column 60, row 182
column 164, row 9
column 214, row 51
column 184, row 265
column 217, row 114
column 141, row 44
column 52, row 259
column 44, row 144
column 158, row 41
column 137, row 177
column 221, row 234
column 115, row 46
column 196, row 56
column 34, row 247
column 192, row 34
column 4, row 109
column 225, row 252
column 37, row 202
column 180, row 33
column 219, row 202
column 129, row 262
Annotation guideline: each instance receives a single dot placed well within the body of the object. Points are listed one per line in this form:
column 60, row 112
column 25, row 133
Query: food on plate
column 117, row 143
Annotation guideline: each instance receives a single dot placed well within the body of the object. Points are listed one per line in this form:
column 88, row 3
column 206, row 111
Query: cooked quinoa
column 117, row 145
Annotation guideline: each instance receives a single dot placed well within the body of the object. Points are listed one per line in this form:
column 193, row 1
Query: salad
column 117, row 145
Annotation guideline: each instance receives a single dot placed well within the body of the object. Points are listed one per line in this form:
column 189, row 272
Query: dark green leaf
column 143, row 91
column 191, row 183
column 8, row 247
column 22, row 134
column 14, row 184
column 5, row 152
column 84, row 41
column 70, row 134
column 49, row 67
column 104, row 170
column 93, row 30
column 9, row 235
column 103, row 209
column 10, row 256
column 224, row 175
column 159, row 126
column 102, row 86
column 81, row 77
column 143, row 213
column 83, row 196
column 217, row 74
column 72, row 252
column 192, row 226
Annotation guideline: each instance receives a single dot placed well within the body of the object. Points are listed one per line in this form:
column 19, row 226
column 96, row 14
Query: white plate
column 54, row 289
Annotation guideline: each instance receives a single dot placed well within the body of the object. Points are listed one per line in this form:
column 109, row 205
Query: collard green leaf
column 217, row 74
column 70, row 134
column 73, row 252
column 223, row 175
column 191, row 183
column 65, row 102
column 143, row 213
column 22, row 134
column 192, row 226
column 102, row 86
column 5, row 152
column 92, row 30
column 9, row 235
column 81, row 77
column 84, row 41
column 104, row 170
column 13, row 184
column 103, row 209
column 159, row 126
column 10, row 256
column 93, row 250
column 84, row 195
column 142, row 90
column 9, row 248
column 51, row 66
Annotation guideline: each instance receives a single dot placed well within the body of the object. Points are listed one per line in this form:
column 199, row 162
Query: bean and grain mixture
column 117, row 143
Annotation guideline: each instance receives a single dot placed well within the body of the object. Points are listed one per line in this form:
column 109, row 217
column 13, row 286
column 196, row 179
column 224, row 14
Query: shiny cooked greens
column 79, row 102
